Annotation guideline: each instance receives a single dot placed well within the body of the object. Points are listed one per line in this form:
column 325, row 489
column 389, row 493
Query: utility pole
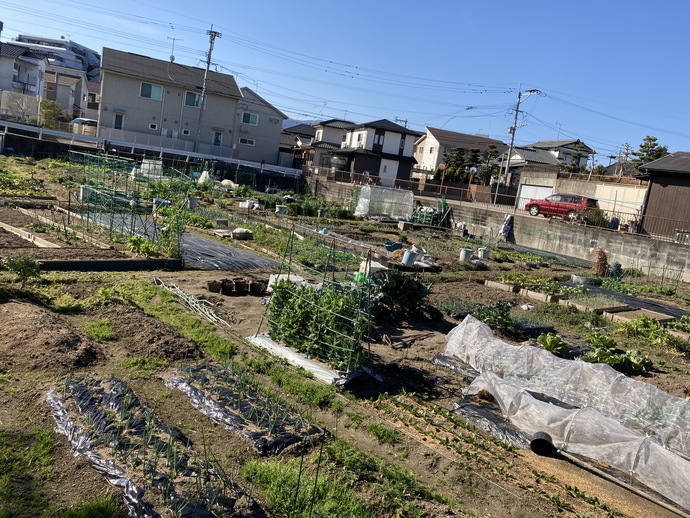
column 512, row 139
column 202, row 105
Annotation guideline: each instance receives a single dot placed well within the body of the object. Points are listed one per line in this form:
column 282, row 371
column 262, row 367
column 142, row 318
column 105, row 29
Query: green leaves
column 554, row 344
column 24, row 267
column 326, row 323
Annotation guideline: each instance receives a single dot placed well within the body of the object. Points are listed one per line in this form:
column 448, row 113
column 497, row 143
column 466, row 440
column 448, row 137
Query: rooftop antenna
column 172, row 53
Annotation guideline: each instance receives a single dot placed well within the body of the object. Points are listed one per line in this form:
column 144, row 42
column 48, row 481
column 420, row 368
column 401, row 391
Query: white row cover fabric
column 605, row 416
column 385, row 201
column 635, row 404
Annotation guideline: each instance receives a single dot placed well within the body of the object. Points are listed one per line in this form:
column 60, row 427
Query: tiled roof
column 386, row 125
column 554, row 144
column 301, row 129
column 165, row 72
column 336, row 123
column 7, row 50
column 537, row 156
column 462, row 140
column 678, row 162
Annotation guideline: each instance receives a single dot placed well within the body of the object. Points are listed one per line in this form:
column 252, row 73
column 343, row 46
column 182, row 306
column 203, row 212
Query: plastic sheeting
column 318, row 369
column 81, row 444
column 637, row 405
column 385, row 201
column 588, row 409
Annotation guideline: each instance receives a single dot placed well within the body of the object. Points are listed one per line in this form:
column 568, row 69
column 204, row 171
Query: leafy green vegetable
column 554, row 344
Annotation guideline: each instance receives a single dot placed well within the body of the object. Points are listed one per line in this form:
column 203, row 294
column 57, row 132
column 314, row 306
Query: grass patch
column 100, row 330
column 105, row 507
column 67, row 304
column 164, row 305
column 26, row 462
column 384, row 434
column 355, row 419
column 595, row 301
column 145, row 367
column 289, row 491
column 309, row 392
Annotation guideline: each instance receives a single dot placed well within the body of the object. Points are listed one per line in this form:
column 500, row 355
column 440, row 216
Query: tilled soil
column 41, row 348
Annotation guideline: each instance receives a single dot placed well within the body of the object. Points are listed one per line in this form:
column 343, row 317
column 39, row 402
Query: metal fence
column 614, row 215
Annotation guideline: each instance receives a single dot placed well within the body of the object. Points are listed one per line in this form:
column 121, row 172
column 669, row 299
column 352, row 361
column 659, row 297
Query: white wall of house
column 388, row 171
column 330, row 134
column 429, row 155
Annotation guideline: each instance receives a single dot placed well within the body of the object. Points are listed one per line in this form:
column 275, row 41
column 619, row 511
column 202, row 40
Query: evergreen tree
column 649, row 151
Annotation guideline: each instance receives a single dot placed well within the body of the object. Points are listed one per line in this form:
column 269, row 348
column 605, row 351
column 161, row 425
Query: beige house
column 68, row 87
column 259, row 126
column 154, row 104
column 431, row 147
column 317, row 155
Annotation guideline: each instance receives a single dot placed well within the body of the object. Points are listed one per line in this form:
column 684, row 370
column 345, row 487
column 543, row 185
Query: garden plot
column 240, row 403
column 157, row 466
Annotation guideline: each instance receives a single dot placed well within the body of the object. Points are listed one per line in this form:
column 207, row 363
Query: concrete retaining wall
column 559, row 237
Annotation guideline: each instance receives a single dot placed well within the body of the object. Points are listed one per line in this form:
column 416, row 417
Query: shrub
column 24, row 267
column 141, row 246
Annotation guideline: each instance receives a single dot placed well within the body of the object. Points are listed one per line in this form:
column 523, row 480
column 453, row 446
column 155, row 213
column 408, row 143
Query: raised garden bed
column 512, row 288
column 627, row 316
column 582, row 306
column 539, row 296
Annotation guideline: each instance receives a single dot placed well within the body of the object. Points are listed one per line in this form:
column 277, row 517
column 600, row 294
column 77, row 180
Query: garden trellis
column 122, row 196
column 326, row 320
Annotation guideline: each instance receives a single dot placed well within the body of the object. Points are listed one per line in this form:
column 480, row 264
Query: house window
column 217, row 138
column 118, row 121
column 247, row 141
column 359, row 140
column 150, row 91
column 250, row 118
column 153, row 126
column 192, row 99
column 318, row 136
column 378, row 139
column 186, row 132
column 402, row 143
column 431, row 149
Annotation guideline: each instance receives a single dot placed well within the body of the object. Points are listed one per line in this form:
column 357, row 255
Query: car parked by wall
column 568, row 206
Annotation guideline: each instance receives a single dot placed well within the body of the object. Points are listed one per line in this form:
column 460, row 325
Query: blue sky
column 609, row 72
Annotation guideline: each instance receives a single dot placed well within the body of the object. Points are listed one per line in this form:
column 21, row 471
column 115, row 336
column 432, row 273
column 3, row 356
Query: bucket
column 541, row 444
column 465, row 254
column 408, row 258
column 483, row 252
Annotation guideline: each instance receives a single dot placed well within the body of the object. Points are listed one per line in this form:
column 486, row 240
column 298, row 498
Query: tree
column 574, row 165
column 50, row 112
column 649, row 151
column 487, row 168
column 22, row 106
